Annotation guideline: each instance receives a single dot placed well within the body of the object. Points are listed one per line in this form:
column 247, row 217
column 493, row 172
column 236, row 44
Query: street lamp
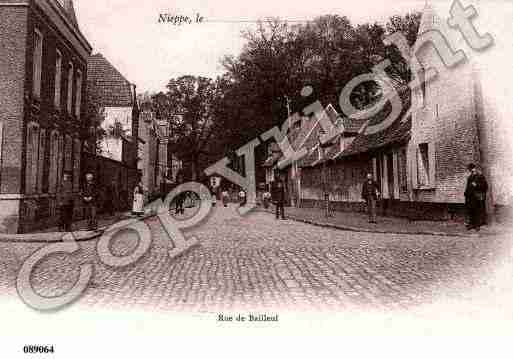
column 322, row 148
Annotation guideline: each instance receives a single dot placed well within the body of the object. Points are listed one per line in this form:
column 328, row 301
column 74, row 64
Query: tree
column 94, row 133
column 189, row 106
column 408, row 25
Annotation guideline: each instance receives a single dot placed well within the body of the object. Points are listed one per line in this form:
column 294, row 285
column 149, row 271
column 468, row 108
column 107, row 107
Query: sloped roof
column 106, row 85
column 398, row 131
column 352, row 125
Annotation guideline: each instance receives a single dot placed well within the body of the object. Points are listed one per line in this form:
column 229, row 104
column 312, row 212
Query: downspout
column 482, row 144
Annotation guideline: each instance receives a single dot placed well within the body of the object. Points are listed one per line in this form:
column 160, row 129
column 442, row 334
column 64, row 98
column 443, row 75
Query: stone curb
column 52, row 237
column 380, row 231
column 56, row 237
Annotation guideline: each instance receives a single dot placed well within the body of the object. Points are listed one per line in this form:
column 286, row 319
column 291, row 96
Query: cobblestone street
column 256, row 262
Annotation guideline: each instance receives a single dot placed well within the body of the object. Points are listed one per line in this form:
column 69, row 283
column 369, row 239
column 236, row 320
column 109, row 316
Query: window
column 41, row 160
column 68, row 154
column 32, row 146
column 54, row 163
column 70, row 89
column 60, row 161
column 78, row 94
column 58, row 79
column 37, row 63
column 425, row 165
column 403, row 177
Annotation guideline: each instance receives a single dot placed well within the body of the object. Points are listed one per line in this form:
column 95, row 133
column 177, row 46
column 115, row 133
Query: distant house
column 115, row 97
column 157, row 165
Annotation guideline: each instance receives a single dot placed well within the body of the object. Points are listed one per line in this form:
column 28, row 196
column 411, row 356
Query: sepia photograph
column 230, row 179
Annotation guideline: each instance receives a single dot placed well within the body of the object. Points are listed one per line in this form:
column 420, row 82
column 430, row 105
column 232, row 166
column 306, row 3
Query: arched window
column 60, row 160
column 76, row 164
column 31, row 164
column 41, row 160
column 68, row 154
column 53, row 177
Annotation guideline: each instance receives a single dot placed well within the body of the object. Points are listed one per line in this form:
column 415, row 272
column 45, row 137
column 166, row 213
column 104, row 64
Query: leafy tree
column 189, row 106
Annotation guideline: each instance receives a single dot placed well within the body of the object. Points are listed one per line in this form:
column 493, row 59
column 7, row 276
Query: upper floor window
column 78, row 94
column 58, row 79
column 37, row 63
column 70, row 89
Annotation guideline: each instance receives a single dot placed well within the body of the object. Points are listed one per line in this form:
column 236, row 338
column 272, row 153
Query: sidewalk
column 79, row 231
column 358, row 222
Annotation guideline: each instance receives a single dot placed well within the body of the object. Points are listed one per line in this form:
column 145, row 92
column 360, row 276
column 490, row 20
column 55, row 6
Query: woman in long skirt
column 138, row 205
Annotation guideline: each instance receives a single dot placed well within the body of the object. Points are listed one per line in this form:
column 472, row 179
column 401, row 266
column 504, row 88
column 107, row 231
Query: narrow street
column 257, row 262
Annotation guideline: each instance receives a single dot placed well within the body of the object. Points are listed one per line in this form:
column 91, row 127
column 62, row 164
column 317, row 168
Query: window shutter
column 414, row 163
column 41, row 160
column 432, row 164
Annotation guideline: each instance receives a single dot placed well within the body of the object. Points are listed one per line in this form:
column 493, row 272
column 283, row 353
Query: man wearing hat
column 475, row 198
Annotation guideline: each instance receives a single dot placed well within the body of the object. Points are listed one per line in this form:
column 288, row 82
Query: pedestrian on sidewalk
column 90, row 198
column 65, row 203
column 225, row 196
column 370, row 193
column 180, row 198
column 278, row 196
column 242, row 198
column 138, row 204
column 475, row 198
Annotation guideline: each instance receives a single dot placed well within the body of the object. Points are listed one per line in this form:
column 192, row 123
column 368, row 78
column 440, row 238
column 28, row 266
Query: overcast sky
column 127, row 32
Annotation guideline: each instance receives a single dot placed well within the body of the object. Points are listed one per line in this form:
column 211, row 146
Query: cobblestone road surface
column 256, row 262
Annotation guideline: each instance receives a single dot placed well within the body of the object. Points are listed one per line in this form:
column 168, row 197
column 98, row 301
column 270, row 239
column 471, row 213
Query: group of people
column 475, row 198
column 90, row 198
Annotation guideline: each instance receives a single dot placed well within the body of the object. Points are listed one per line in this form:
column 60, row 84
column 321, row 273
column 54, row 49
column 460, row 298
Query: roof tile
column 106, row 85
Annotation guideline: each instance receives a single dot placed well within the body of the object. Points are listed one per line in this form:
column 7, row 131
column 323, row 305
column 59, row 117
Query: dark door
column 390, row 175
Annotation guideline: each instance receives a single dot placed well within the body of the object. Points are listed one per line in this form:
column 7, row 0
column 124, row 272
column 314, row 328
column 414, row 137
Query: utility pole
column 322, row 148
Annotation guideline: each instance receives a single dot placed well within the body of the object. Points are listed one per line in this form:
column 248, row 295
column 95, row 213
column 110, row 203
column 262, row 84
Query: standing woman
column 138, row 205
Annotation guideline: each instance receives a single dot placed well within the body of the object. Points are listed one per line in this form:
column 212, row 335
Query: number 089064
column 38, row 349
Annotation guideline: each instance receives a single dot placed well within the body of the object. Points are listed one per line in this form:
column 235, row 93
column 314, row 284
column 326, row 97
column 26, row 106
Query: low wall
column 394, row 208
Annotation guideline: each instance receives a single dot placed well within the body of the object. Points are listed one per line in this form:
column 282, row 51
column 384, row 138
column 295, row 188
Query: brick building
column 43, row 76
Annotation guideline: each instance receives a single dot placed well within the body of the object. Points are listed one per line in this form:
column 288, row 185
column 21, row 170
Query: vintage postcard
column 232, row 179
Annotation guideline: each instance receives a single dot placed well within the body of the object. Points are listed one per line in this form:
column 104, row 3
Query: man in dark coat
column 475, row 198
column 90, row 198
column 370, row 193
column 180, row 198
column 278, row 197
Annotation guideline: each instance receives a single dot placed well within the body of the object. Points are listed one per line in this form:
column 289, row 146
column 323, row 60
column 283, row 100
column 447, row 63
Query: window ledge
column 426, row 188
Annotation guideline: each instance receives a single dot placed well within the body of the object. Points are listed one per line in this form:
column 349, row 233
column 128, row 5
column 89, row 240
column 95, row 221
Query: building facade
column 115, row 164
column 43, row 76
